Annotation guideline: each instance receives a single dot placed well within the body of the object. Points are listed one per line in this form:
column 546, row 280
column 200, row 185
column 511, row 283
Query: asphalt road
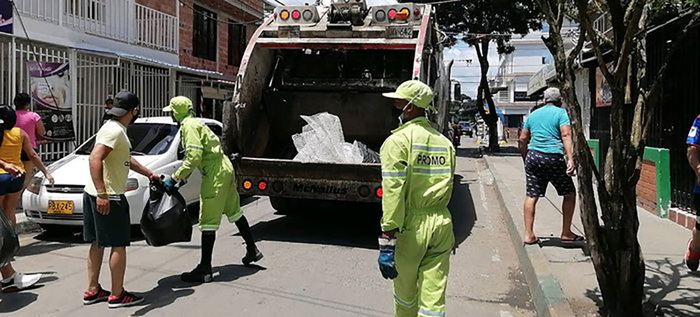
column 320, row 262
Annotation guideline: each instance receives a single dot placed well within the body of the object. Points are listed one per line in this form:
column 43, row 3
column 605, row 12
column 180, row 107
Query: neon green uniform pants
column 218, row 195
column 423, row 261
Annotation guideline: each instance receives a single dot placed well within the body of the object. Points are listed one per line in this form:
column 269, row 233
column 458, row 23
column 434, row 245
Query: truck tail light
column 262, row 185
column 416, row 12
column 392, row 14
column 296, row 15
column 363, row 191
column 308, row 15
column 403, row 14
column 379, row 192
column 284, row 15
column 247, row 184
column 277, row 186
column 380, row 15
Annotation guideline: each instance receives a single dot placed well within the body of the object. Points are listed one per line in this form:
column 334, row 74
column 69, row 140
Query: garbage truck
column 338, row 59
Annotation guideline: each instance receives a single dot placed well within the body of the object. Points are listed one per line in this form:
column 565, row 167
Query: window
column 88, row 9
column 237, row 38
column 145, row 138
column 204, row 34
column 503, row 96
column 522, row 96
column 215, row 128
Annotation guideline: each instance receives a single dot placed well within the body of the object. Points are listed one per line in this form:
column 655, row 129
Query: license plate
column 65, row 207
column 399, row 32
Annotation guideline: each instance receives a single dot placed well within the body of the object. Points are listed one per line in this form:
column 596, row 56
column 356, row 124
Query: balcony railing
column 602, row 24
column 121, row 20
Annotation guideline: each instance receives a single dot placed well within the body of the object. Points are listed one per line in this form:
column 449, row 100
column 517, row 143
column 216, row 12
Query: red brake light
column 262, row 185
column 296, row 15
column 392, row 14
column 380, row 192
column 416, row 13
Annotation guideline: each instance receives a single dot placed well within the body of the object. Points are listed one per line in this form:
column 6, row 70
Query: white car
column 155, row 144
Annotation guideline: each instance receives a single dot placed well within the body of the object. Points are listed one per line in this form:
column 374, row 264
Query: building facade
column 105, row 46
column 511, row 81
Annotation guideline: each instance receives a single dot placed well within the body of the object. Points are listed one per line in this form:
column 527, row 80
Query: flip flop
column 537, row 241
column 576, row 238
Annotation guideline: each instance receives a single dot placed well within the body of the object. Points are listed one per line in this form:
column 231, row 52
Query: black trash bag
column 165, row 219
column 9, row 242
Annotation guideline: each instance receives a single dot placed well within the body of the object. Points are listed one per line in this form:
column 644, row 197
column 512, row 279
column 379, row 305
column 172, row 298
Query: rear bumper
column 323, row 181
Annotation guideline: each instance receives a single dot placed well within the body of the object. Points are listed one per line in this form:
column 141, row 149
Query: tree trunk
column 484, row 94
column 622, row 264
column 615, row 251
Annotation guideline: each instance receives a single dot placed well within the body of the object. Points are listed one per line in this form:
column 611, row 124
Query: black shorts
column 111, row 230
column 10, row 184
column 544, row 168
column 696, row 201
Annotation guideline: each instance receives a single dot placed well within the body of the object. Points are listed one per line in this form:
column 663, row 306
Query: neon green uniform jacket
column 418, row 166
column 218, row 192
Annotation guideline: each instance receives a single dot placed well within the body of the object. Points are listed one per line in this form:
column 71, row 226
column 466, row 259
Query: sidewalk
column 562, row 280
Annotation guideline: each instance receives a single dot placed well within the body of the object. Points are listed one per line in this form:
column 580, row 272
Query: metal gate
column 679, row 106
column 94, row 77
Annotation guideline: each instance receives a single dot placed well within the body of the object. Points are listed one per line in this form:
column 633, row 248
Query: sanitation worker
column 218, row 192
column 418, row 166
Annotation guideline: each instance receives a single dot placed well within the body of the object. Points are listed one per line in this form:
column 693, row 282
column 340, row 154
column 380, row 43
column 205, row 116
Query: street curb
column 546, row 291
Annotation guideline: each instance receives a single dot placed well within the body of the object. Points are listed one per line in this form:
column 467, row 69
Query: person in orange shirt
column 12, row 141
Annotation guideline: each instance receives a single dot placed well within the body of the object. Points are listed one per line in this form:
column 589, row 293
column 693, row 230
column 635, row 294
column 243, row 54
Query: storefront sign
column 50, row 91
column 6, row 16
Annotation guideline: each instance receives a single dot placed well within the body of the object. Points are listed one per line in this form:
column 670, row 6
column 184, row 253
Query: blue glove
column 170, row 184
column 387, row 265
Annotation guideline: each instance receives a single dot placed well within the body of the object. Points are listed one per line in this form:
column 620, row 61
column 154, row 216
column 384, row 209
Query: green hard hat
column 415, row 92
column 179, row 105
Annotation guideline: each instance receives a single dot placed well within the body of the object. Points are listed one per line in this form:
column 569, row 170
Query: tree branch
column 573, row 55
column 548, row 12
column 617, row 17
column 632, row 18
column 585, row 20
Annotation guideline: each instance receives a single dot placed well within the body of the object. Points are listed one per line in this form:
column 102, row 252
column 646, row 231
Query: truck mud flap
column 324, row 181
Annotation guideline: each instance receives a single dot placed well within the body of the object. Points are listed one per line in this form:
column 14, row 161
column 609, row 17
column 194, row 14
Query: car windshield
column 146, row 139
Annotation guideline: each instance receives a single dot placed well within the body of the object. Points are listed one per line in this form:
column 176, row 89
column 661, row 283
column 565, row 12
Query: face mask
column 133, row 119
column 402, row 114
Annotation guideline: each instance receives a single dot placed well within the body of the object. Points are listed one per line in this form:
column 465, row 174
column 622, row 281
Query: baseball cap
column 179, row 105
column 415, row 92
column 124, row 102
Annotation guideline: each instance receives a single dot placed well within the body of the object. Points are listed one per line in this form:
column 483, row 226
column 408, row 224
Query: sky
column 467, row 74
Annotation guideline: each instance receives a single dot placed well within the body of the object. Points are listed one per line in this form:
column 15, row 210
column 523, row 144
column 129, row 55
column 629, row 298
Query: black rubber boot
column 252, row 255
column 200, row 274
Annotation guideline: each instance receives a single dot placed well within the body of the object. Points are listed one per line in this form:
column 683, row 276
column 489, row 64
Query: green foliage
column 664, row 10
column 486, row 17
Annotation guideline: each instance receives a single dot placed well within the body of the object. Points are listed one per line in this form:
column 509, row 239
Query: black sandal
column 576, row 238
column 536, row 241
